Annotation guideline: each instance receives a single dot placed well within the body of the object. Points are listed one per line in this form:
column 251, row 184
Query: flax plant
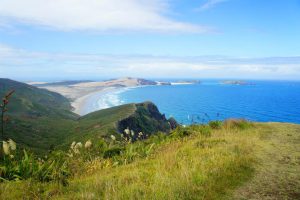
column 3, row 110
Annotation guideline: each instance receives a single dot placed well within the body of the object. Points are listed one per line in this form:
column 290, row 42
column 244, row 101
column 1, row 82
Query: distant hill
column 42, row 120
column 29, row 101
column 39, row 119
column 60, row 83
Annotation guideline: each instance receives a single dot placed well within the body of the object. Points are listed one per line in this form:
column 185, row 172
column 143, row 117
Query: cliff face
column 146, row 119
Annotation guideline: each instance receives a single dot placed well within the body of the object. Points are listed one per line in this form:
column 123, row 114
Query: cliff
column 146, row 119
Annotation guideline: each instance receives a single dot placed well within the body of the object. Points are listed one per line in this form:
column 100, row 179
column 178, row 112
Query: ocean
column 261, row 101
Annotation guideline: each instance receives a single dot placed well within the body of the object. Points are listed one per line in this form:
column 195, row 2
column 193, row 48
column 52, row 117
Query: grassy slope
column 31, row 102
column 39, row 134
column 39, row 118
column 257, row 163
column 100, row 123
column 103, row 123
column 278, row 170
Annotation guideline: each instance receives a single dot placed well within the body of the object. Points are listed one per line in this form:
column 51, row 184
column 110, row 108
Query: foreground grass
column 277, row 173
column 244, row 164
column 193, row 168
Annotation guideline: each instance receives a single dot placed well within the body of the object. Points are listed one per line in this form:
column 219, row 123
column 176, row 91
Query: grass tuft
column 237, row 124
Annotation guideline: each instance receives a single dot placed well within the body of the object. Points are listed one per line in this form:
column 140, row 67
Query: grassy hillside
column 29, row 101
column 142, row 117
column 259, row 161
column 100, row 124
column 38, row 119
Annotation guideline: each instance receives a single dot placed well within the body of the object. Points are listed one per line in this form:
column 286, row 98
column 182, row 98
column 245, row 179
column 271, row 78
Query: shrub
column 180, row 132
column 237, row 123
column 55, row 168
column 114, row 151
column 204, row 130
column 215, row 124
column 101, row 146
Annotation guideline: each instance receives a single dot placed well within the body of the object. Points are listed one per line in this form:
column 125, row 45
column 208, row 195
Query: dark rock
column 146, row 82
column 173, row 123
column 146, row 119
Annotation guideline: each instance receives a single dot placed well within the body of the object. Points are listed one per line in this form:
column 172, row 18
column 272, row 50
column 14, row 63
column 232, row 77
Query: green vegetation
column 38, row 118
column 31, row 102
column 41, row 120
column 22, row 166
column 215, row 124
column 196, row 162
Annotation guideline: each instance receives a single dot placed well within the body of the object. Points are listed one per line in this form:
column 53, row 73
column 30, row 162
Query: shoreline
column 89, row 102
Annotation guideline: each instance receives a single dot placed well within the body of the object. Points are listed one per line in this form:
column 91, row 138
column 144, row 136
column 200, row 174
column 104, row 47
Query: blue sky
column 94, row 39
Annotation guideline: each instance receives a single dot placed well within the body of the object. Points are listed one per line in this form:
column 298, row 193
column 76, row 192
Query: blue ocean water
column 263, row 101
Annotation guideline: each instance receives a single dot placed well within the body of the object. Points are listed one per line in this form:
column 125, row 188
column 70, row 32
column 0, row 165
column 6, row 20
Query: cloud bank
column 24, row 65
column 95, row 15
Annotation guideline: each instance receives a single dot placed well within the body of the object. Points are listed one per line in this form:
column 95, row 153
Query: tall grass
column 193, row 163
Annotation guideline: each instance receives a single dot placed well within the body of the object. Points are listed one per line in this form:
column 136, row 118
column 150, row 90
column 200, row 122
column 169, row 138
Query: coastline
column 89, row 102
column 101, row 99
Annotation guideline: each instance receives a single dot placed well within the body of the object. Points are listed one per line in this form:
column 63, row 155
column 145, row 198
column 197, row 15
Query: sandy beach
column 94, row 101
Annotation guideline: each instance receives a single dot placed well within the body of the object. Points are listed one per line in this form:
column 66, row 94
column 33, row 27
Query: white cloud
column 25, row 65
column 210, row 4
column 95, row 15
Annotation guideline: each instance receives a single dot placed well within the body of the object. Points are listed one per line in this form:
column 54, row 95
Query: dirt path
column 277, row 173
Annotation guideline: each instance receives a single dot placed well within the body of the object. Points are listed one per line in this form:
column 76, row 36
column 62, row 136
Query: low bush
column 215, row 124
column 24, row 166
column 180, row 132
column 237, row 123
column 111, row 152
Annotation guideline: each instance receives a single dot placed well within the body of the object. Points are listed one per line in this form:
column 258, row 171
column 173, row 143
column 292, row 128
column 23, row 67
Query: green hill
column 42, row 120
column 32, row 102
column 39, row 119
column 142, row 117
